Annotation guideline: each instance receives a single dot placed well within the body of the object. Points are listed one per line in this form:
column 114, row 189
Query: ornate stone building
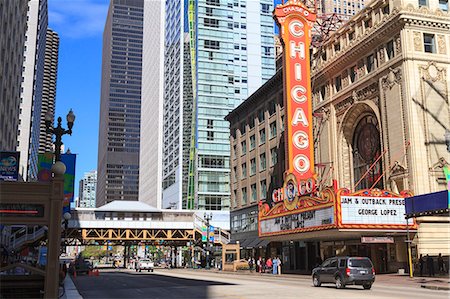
column 381, row 88
column 381, row 109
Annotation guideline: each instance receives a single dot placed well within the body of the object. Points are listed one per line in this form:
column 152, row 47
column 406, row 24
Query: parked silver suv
column 344, row 271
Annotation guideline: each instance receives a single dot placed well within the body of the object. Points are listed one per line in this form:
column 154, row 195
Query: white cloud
column 77, row 18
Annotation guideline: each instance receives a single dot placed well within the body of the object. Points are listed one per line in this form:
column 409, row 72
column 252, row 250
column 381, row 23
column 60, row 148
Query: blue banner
column 9, row 166
column 69, row 180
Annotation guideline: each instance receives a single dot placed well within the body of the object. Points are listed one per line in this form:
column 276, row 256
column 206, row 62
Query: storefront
column 310, row 229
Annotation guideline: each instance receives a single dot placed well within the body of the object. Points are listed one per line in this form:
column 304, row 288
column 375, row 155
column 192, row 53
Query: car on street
column 344, row 271
column 145, row 264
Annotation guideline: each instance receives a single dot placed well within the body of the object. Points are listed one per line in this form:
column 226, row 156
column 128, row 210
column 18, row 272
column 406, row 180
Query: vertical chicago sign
column 295, row 22
column 297, row 206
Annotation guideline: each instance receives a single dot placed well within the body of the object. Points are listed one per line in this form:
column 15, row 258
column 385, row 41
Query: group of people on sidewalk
column 429, row 262
column 271, row 265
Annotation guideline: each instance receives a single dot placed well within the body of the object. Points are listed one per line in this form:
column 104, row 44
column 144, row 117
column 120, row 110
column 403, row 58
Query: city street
column 202, row 284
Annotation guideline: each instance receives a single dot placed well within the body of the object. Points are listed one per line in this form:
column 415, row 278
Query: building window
column 252, row 142
column 273, row 130
column 210, row 136
column 390, row 49
column 262, row 162
column 443, row 5
column 261, row 115
column 242, row 129
column 353, row 73
column 234, row 151
column 244, row 196
column 272, row 107
column 428, row 43
column 423, row 2
column 212, row 44
column 273, row 156
column 263, row 189
column 351, row 35
column 235, row 175
column 253, row 186
column 322, row 93
column 370, row 63
column 367, row 150
column 337, row 47
column 234, row 199
column 244, row 170
column 262, row 136
column 338, row 83
column 282, row 123
column 251, row 122
column 253, row 166
column 243, row 148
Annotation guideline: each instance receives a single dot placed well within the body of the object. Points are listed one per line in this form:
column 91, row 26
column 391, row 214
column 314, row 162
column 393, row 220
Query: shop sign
column 389, row 240
column 305, row 221
column 9, row 166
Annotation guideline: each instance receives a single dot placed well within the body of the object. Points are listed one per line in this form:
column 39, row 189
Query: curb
column 437, row 288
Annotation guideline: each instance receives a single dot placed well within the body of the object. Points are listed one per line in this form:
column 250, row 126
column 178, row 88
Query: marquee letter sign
column 295, row 22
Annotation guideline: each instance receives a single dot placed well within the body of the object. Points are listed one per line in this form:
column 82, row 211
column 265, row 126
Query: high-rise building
column 13, row 17
column 49, row 88
column 88, row 186
column 32, row 87
column 150, row 162
column 120, row 109
column 344, row 9
column 216, row 54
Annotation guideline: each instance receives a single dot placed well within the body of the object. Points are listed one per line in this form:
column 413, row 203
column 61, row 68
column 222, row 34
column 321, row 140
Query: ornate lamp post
column 59, row 131
column 207, row 217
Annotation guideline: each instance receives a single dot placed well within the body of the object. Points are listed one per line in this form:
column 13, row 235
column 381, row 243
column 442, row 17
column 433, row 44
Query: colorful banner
column 9, row 166
column 69, row 180
column 211, row 234
column 45, row 162
column 203, row 233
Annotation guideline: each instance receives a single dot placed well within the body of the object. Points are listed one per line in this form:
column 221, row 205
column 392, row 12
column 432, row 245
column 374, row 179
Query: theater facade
column 366, row 132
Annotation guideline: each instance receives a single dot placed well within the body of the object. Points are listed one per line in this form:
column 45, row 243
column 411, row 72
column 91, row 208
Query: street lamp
column 207, row 217
column 59, row 131
column 66, row 217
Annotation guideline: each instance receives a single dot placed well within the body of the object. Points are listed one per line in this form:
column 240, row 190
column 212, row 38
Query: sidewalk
column 434, row 283
column 71, row 289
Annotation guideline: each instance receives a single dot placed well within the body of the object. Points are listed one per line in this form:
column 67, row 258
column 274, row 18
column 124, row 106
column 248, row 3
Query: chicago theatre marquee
column 364, row 133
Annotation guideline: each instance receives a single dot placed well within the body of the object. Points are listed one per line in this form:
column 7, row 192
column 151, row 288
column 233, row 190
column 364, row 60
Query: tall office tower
column 49, row 88
column 344, row 9
column 120, row 109
column 216, row 54
column 88, row 186
column 13, row 17
column 32, row 86
column 150, row 162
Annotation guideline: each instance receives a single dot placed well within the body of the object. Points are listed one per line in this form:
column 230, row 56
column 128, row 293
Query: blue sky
column 80, row 24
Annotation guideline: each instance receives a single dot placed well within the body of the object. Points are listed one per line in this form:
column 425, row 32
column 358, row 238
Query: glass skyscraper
column 217, row 52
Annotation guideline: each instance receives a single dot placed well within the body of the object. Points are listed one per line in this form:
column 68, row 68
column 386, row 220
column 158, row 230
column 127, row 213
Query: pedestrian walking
column 279, row 266
column 275, row 266
column 250, row 264
column 259, row 265
column 430, row 266
column 421, row 264
column 441, row 265
column 269, row 264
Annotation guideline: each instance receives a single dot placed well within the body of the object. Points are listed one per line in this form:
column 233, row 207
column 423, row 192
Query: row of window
column 262, row 139
column 253, row 168
column 254, row 196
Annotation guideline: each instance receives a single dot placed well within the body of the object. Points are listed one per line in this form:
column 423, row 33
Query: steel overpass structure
column 136, row 222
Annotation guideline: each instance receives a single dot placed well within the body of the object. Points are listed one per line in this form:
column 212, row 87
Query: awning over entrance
column 253, row 243
column 427, row 204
